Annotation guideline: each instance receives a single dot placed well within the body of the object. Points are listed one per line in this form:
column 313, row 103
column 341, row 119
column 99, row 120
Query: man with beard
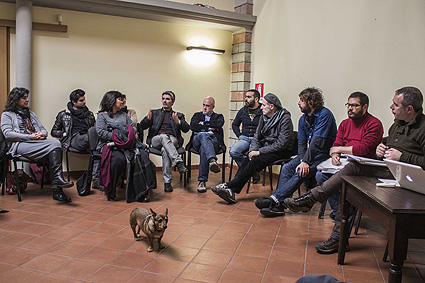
column 316, row 134
column 165, row 127
column 405, row 143
column 71, row 127
column 272, row 141
column 248, row 116
column 358, row 135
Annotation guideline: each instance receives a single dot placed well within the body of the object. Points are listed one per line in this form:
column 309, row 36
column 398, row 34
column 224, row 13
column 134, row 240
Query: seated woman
column 121, row 150
column 26, row 136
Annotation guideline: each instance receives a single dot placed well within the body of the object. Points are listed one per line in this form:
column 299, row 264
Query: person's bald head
column 208, row 105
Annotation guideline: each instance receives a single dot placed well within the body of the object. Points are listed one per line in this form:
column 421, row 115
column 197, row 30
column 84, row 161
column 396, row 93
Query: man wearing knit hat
column 165, row 127
column 316, row 134
column 272, row 141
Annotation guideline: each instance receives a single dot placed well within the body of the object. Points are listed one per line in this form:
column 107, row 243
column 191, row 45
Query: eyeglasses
column 348, row 105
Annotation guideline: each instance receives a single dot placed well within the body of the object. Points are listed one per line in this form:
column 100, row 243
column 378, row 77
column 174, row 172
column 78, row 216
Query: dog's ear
column 153, row 212
column 166, row 211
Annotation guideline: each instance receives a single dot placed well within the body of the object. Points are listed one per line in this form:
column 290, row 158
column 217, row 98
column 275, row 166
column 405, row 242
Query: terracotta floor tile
column 191, row 212
column 70, row 249
column 209, row 222
column 228, row 235
column 75, row 214
column 108, row 229
column 37, row 229
column 16, row 239
column 236, row 226
column 78, row 269
column 4, row 268
column 20, row 275
column 56, row 279
column 165, row 266
column 293, row 243
column 179, row 253
column 269, row 278
column 63, row 234
column 100, row 255
column 58, row 221
column 259, row 239
column 18, row 256
column 242, row 218
column 200, row 231
column 151, row 278
column 42, row 244
column 179, row 219
column 190, row 241
column 265, row 229
column 89, row 238
column 131, row 260
column 232, row 276
column 279, row 253
column 112, row 210
column 248, row 263
column 352, row 276
column 200, row 272
column 46, row 262
column 254, row 250
column 285, row 268
column 110, row 273
column 335, row 272
column 34, row 218
column 4, row 249
column 117, row 243
column 212, row 258
column 97, row 217
column 221, row 246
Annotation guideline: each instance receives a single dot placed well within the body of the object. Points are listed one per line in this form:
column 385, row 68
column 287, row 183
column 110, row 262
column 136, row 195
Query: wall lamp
column 205, row 49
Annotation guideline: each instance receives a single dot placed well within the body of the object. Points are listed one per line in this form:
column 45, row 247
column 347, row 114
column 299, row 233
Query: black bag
column 83, row 185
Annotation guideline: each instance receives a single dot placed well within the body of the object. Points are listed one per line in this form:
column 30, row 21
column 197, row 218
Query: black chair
column 94, row 154
column 181, row 151
column 73, row 150
column 189, row 161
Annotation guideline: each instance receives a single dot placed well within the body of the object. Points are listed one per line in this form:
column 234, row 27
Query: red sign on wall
column 260, row 88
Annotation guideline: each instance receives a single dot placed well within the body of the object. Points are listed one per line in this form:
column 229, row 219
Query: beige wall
column 340, row 46
column 137, row 57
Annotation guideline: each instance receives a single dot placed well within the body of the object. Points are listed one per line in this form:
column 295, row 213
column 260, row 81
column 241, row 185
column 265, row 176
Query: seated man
column 207, row 138
column 273, row 140
column 165, row 127
column 26, row 136
column 71, row 126
column 249, row 117
column 316, row 134
column 358, row 135
column 405, row 143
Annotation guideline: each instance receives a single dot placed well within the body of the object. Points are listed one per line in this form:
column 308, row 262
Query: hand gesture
column 304, row 169
column 253, row 153
column 392, row 154
column 149, row 114
column 175, row 118
column 335, row 159
column 380, row 150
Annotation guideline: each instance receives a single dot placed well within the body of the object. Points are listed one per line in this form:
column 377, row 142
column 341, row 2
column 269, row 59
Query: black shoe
column 273, row 210
column 256, row 178
column 214, row 167
column 332, row 215
column 303, row 203
column 181, row 168
column 329, row 246
column 95, row 186
column 144, row 199
column 224, row 192
column 55, row 170
column 168, row 188
column 59, row 195
column 262, row 202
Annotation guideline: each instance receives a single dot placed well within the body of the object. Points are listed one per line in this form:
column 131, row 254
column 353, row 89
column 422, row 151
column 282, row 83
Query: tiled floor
column 207, row 240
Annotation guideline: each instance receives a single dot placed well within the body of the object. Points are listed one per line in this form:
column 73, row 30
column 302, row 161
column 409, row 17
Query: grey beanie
column 273, row 99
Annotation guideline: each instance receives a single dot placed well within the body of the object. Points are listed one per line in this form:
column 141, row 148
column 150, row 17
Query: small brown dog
column 151, row 223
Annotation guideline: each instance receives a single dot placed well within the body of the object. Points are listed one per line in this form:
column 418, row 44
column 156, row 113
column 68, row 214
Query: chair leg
column 5, row 171
column 322, row 210
column 359, row 218
column 18, row 188
column 42, row 176
column 67, row 164
column 189, row 165
column 223, row 167
column 264, row 176
column 248, row 185
column 90, row 170
column 354, row 219
column 385, row 258
column 231, row 169
column 271, row 177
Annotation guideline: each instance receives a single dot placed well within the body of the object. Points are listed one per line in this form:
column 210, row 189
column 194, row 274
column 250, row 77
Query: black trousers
column 118, row 164
column 250, row 167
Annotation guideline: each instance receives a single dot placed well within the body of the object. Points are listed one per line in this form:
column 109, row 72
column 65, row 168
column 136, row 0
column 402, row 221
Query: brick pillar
column 244, row 6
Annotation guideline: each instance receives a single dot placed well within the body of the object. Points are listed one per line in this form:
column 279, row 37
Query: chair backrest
column 93, row 138
column 295, row 144
column 3, row 146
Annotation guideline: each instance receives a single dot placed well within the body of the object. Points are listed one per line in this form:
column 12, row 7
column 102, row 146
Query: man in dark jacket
column 207, row 138
column 249, row 117
column 71, row 126
column 165, row 127
column 316, row 134
column 272, row 141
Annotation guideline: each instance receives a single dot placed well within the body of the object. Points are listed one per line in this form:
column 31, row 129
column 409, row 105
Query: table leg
column 397, row 247
column 345, row 225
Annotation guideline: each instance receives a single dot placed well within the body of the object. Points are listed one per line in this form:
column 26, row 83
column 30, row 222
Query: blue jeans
column 289, row 180
column 207, row 145
column 333, row 200
column 239, row 148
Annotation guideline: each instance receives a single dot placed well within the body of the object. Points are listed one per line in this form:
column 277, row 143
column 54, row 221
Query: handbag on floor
column 11, row 182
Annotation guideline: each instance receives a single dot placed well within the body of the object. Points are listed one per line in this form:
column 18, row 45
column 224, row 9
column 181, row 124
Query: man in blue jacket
column 248, row 116
column 316, row 134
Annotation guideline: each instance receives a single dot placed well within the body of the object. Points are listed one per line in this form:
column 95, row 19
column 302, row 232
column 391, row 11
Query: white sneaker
column 201, row 187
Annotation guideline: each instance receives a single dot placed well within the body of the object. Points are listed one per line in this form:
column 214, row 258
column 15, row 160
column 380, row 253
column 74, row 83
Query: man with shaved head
column 207, row 138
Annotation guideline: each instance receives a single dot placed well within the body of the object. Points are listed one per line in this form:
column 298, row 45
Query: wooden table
column 401, row 212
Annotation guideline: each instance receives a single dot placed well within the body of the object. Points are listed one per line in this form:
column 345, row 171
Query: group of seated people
column 265, row 135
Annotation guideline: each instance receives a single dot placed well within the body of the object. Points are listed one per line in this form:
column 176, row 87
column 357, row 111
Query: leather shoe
column 181, row 168
column 168, row 188
column 144, row 199
column 262, row 202
column 59, row 195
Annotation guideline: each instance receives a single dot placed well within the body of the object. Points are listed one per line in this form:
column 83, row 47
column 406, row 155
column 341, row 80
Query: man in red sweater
column 358, row 135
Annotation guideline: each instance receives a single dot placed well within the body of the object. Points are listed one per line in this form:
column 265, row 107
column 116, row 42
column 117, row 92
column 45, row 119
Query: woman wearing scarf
column 26, row 136
column 121, row 150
